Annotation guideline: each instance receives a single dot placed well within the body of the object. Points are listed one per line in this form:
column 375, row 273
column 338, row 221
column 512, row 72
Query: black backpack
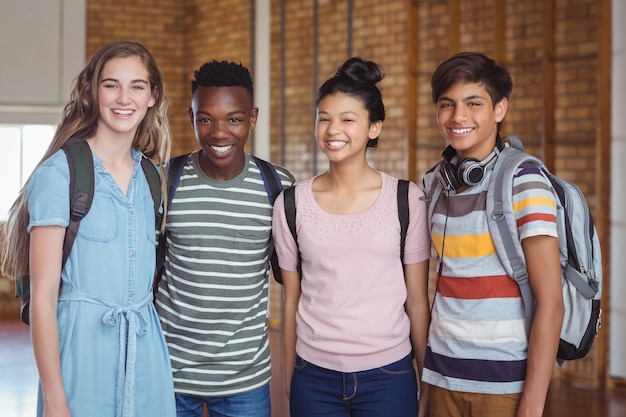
column 403, row 216
column 273, row 187
column 80, row 161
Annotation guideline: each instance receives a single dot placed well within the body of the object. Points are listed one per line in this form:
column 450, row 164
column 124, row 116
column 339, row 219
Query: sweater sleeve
column 286, row 247
column 417, row 246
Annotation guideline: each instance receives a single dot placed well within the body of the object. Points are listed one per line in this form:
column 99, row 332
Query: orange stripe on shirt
column 478, row 288
column 546, row 217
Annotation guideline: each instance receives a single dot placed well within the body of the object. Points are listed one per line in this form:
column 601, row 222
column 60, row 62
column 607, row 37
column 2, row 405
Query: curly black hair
column 222, row 74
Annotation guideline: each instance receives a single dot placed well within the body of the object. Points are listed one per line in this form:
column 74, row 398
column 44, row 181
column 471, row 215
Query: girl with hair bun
column 356, row 315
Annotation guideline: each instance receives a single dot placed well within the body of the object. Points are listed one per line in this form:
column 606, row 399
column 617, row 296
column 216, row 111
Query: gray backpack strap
column 503, row 227
column 432, row 191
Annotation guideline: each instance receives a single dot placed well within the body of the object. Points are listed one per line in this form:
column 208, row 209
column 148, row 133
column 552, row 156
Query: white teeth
column 123, row 112
column 221, row 149
column 336, row 143
column 462, row 131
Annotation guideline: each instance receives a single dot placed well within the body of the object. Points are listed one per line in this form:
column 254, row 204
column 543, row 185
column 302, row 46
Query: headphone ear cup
column 470, row 171
column 449, row 175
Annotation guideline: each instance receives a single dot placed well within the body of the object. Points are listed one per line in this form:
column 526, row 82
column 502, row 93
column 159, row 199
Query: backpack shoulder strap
column 174, row 171
column 154, row 182
column 80, row 162
column 290, row 211
column 503, row 226
column 273, row 185
column 432, row 191
column 403, row 213
column 289, row 196
column 175, row 168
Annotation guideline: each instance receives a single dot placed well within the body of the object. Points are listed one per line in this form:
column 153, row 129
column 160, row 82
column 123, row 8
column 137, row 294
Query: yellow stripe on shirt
column 465, row 246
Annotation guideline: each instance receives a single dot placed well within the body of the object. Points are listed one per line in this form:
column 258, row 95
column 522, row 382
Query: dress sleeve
column 417, row 246
column 48, row 193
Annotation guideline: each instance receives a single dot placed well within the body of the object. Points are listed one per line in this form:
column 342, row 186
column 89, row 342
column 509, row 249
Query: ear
column 254, row 114
column 154, row 96
column 501, row 108
column 375, row 129
column 190, row 113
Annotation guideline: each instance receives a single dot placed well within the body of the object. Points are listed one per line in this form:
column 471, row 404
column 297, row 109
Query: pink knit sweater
column 351, row 313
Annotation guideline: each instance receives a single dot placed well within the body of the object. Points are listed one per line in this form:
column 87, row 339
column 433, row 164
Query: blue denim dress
column 114, row 360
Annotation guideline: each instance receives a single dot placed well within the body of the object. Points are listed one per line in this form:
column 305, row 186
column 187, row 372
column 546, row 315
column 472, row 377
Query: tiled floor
column 18, row 374
column 18, row 383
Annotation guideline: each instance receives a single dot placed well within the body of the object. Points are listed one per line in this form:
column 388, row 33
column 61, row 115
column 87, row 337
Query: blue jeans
column 255, row 403
column 390, row 390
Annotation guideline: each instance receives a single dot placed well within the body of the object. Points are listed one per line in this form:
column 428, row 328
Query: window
column 21, row 147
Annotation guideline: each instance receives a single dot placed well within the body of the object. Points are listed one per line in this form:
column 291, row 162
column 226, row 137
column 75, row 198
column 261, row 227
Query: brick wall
column 307, row 47
column 551, row 48
column 182, row 35
column 160, row 25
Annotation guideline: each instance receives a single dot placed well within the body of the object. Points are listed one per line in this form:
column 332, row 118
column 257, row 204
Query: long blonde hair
column 79, row 120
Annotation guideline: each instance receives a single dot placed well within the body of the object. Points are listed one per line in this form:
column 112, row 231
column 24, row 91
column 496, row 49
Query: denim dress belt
column 132, row 323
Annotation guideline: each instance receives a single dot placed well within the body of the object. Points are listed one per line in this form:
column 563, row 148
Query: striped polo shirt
column 477, row 338
column 213, row 296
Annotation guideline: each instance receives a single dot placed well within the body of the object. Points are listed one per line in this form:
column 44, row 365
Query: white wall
column 262, row 61
column 42, row 49
column 617, row 331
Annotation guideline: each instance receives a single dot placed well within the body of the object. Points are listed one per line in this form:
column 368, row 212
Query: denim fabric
column 114, row 360
column 255, row 403
column 390, row 390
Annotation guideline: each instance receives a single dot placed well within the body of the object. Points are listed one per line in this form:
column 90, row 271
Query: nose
column 334, row 128
column 124, row 96
column 459, row 113
column 220, row 130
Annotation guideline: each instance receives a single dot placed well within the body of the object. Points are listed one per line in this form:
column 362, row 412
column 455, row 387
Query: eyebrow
column 343, row 113
column 230, row 114
column 472, row 97
column 139, row 80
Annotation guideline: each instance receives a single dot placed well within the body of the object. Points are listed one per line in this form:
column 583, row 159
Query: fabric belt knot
column 131, row 323
column 114, row 316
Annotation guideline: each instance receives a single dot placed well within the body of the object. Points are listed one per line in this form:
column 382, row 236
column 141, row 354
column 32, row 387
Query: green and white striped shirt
column 213, row 296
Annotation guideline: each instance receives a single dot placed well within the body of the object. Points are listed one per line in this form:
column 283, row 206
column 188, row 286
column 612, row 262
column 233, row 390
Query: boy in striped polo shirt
column 479, row 360
column 213, row 296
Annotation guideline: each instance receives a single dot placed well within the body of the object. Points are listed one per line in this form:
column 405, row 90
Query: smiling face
column 124, row 96
column 468, row 120
column 343, row 128
column 222, row 118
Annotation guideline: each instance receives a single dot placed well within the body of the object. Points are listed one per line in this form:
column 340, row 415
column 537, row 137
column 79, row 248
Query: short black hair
column 222, row 74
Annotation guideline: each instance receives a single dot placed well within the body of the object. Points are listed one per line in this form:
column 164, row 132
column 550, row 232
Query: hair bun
column 358, row 70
